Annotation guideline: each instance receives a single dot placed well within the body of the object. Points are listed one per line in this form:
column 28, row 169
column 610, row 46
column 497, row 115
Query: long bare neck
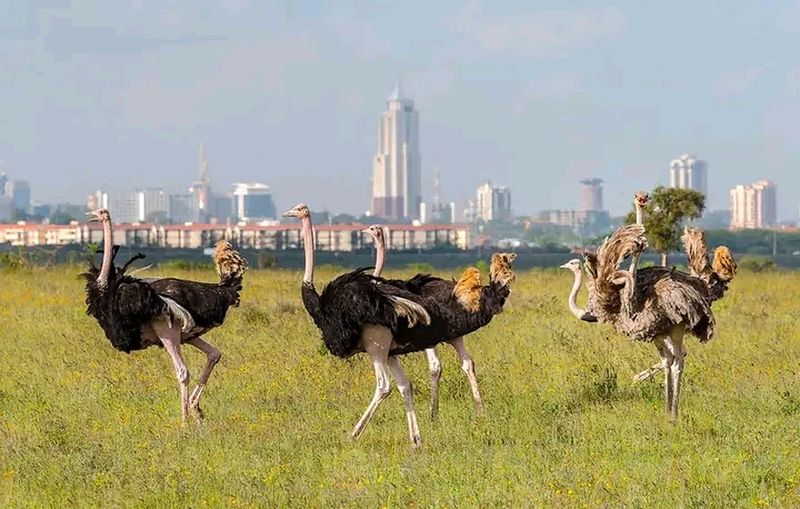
column 108, row 245
column 380, row 256
column 572, row 302
column 635, row 258
column 308, row 245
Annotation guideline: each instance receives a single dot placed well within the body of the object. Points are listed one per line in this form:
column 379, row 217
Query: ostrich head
column 101, row 215
column 641, row 198
column 376, row 231
column 299, row 211
column 574, row 265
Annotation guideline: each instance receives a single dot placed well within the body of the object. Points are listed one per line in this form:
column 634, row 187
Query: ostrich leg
column 676, row 369
column 435, row 368
column 213, row 356
column 171, row 339
column 665, row 350
column 404, row 386
column 468, row 366
column 376, row 341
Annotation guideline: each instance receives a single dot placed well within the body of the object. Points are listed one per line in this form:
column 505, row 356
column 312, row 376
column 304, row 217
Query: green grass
column 84, row 425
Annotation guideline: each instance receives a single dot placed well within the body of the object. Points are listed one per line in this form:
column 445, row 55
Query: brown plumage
column 724, row 265
column 656, row 304
column 500, row 270
column 230, row 265
column 468, row 289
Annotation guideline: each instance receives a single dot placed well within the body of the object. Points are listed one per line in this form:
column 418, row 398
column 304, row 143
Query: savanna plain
column 82, row 424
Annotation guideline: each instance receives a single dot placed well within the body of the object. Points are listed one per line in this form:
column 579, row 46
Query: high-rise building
column 493, row 203
column 252, row 202
column 124, row 208
column 591, row 194
column 688, row 172
column 20, row 193
column 182, row 208
column 396, row 169
column 153, row 205
column 6, row 208
column 201, row 189
column 754, row 206
column 3, row 180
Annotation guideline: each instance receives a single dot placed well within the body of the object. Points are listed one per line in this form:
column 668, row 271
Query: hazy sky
column 115, row 95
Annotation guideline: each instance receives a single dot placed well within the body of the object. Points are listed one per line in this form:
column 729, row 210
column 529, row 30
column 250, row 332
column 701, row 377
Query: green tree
column 61, row 217
column 665, row 214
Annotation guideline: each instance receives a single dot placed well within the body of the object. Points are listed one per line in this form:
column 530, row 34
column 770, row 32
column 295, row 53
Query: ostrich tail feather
column 724, row 265
column 177, row 312
column 410, row 310
column 694, row 241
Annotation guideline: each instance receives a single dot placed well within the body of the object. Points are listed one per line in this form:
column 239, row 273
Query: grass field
column 84, row 425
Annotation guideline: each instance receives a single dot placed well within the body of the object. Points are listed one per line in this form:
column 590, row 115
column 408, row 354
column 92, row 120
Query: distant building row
column 248, row 202
column 275, row 237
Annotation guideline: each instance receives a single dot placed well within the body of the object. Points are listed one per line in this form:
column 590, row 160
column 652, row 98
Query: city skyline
column 516, row 93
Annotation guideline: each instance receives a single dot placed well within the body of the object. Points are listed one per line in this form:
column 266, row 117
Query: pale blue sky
column 529, row 94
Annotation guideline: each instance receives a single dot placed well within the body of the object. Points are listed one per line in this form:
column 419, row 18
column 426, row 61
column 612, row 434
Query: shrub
column 757, row 264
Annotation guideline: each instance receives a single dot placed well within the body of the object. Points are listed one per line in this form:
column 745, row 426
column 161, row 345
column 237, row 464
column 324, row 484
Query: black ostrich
column 468, row 306
column 136, row 313
column 356, row 313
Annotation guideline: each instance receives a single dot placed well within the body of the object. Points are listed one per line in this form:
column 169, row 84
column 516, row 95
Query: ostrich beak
column 565, row 266
column 290, row 213
column 91, row 218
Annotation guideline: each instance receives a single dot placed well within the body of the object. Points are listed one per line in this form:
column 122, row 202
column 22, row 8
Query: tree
column 665, row 215
column 60, row 217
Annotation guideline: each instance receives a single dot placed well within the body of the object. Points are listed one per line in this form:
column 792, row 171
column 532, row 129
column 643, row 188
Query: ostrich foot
column 647, row 373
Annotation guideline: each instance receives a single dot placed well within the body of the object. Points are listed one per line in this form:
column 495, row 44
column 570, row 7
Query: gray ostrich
column 661, row 305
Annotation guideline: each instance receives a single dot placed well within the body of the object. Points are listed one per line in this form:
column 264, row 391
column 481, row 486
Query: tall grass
column 84, row 425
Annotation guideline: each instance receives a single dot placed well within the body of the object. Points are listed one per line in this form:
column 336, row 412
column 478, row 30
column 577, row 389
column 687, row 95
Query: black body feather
column 125, row 303
column 121, row 307
column 350, row 302
column 449, row 319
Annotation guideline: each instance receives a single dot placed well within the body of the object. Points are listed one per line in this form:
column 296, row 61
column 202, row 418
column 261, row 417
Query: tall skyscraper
column 688, row 172
column 201, row 189
column 493, row 203
column 591, row 194
column 396, row 170
column 754, row 206
column 20, row 193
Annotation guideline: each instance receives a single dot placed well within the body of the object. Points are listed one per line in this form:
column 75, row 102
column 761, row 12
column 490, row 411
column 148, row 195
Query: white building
column 153, row 204
column 591, row 194
column 252, row 202
column 396, row 168
column 754, row 206
column 437, row 212
column 493, row 203
column 688, row 172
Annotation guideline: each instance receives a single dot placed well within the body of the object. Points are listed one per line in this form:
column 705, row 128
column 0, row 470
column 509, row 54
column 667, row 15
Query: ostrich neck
column 380, row 256
column 108, row 243
column 572, row 302
column 308, row 245
column 635, row 257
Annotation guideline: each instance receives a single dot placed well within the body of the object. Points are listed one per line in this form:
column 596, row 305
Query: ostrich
column 136, row 313
column 661, row 307
column 442, row 291
column 355, row 313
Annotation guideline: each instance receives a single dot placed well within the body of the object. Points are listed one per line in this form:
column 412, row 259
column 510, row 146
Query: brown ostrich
column 661, row 306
